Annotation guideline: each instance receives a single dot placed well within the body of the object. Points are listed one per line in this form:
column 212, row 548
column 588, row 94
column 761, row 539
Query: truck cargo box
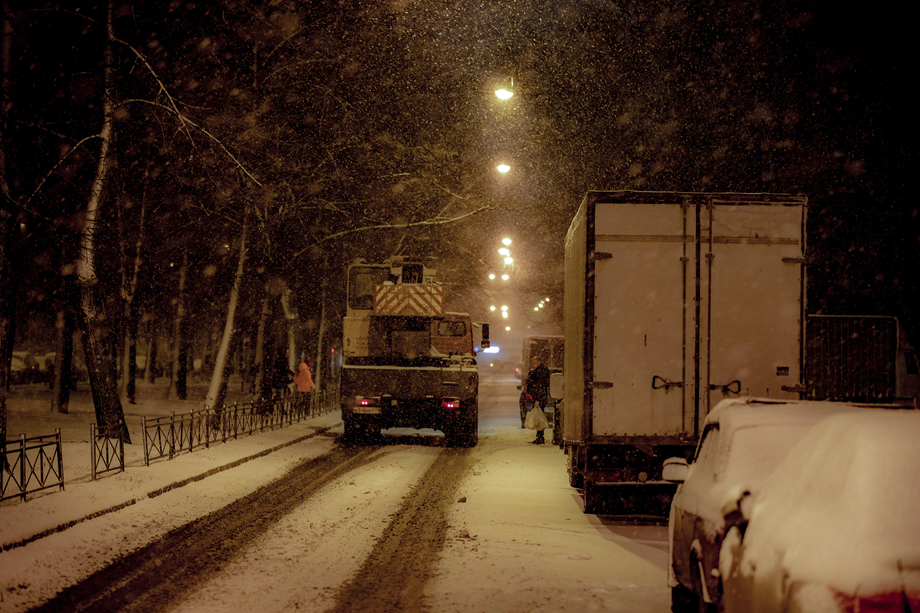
column 674, row 301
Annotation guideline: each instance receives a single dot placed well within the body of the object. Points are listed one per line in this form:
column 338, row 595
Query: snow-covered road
column 516, row 538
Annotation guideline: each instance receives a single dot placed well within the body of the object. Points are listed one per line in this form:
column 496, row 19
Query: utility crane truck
column 407, row 362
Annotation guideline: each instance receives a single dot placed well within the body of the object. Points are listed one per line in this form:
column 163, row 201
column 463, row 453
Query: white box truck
column 673, row 301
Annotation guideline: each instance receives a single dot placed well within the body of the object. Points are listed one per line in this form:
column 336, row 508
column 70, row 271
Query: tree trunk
column 150, row 357
column 318, row 379
column 290, row 317
column 218, row 384
column 259, row 361
column 8, row 228
column 109, row 412
column 129, row 356
column 178, row 380
column 63, row 362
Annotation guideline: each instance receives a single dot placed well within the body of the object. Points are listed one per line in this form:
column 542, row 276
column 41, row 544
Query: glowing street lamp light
column 491, row 275
column 509, row 260
column 492, row 308
column 504, row 251
column 504, row 308
column 505, row 277
column 505, row 314
column 503, row 94
column 507, row 328
column 506, row 241
column 503, row 168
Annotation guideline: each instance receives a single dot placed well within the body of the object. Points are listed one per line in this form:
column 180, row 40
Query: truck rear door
column 639, row 309
column 654, row 263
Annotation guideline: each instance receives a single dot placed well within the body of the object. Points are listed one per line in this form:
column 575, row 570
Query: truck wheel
column 557, row 425
column 472, row 425
column 593, row 502
column 576, row 479
column 352, row 432
column 465, row 433
column 683, row 600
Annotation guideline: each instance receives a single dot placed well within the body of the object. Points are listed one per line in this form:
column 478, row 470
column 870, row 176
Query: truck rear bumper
column 408, row 397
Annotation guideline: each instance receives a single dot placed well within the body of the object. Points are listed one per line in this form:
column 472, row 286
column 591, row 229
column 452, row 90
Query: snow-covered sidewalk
column 52, row 510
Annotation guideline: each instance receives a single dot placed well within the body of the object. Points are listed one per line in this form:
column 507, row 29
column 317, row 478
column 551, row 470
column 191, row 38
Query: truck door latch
column 661, row 382
column 727, row 388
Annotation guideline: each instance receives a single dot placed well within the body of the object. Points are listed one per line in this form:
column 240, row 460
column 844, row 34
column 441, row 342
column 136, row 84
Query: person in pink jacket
column 303, row 379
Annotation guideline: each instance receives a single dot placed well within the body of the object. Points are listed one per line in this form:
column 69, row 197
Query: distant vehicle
column 551, row 351
column 742, row 442
column 78, row 370
column 836, row 527
column 24, row 368
column 673, row 301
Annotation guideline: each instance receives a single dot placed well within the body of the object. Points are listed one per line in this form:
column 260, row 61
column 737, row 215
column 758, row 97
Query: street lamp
column 503, row 94
column 506, row 242
column 503, row 168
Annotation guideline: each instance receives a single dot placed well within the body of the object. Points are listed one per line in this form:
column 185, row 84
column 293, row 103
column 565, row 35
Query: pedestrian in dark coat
column 537, row 386
column 281, row 375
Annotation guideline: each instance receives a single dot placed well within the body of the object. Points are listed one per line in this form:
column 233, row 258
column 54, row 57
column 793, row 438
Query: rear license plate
column 366, row 410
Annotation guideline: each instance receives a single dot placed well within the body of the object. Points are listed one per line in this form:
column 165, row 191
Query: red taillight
column 890, row 602
column 364, row 402
column 450, row 405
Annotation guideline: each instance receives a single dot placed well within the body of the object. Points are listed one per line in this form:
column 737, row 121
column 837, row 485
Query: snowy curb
column 165, row 489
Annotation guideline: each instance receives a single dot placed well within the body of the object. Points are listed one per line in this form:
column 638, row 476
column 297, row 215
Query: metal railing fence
column 172, row 434
column 30, row 465
column 108, row 450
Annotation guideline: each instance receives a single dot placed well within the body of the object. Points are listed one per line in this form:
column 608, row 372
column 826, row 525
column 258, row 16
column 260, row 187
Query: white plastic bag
column 536, row 419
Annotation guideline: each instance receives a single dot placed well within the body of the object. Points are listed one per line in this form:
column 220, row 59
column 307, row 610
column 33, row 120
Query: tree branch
column 186, row 120
column 434, row 221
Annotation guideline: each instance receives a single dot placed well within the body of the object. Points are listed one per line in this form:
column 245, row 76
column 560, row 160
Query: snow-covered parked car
column 742, row 441
column 836, row 527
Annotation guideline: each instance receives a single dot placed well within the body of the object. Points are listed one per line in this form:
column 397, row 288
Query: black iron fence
column 169, row 435
column 30, row 465
column 33, row 464
column 108, row 450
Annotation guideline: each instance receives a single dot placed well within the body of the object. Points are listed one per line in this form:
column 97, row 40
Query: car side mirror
column 737, row 505
column 556, row 385
column 675, row 470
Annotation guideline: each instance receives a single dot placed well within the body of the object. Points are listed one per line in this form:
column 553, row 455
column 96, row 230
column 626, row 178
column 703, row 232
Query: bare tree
column 109, row 412
column 218, row 386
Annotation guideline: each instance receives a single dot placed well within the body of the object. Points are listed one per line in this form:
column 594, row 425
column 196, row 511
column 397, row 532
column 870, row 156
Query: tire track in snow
column 394, row 575
column 161, row 573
